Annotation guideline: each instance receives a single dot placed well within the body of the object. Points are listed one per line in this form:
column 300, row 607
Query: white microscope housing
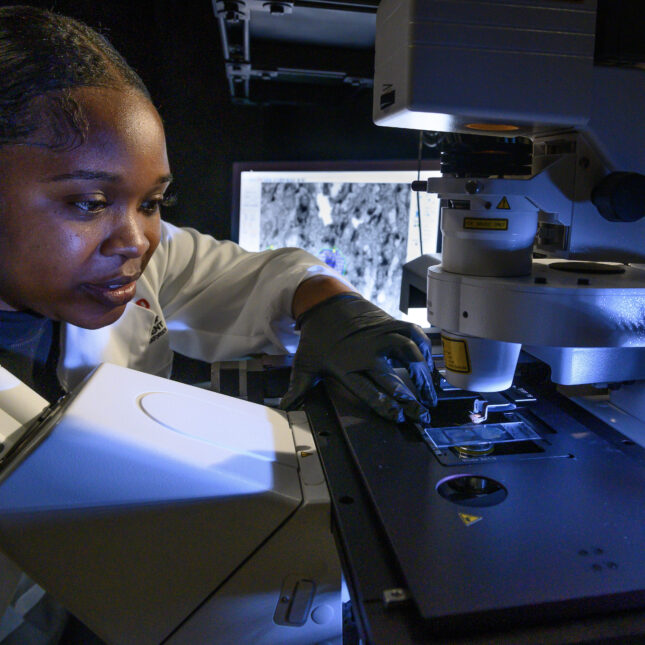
column 160, row 512
column 528, row 260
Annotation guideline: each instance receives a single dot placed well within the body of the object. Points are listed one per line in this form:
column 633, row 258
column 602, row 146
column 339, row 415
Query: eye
column 90, row 205
column 151, row 206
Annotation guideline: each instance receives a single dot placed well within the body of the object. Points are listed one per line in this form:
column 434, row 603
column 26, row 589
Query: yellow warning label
column 455, row 355
column 503, row 205
column 486, row 223
column 469, row 519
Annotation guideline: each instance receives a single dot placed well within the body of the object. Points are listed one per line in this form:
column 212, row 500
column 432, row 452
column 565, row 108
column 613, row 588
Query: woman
column 89, row 273
column 84, row 173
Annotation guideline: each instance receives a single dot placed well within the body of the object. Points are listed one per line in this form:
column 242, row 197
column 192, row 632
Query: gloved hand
column 351, row 339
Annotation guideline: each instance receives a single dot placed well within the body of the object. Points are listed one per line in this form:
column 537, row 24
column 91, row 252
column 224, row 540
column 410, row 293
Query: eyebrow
column 99, row 175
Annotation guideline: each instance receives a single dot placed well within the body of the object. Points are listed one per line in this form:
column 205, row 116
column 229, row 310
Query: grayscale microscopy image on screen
column 360, row 229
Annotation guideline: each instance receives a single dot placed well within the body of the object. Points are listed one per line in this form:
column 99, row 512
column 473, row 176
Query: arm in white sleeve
column 222, row 302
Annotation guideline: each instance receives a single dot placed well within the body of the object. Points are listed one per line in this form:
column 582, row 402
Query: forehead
column 125, row 136
column 121, row 120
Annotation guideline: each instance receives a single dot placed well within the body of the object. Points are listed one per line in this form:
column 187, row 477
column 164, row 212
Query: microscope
column 529, row 511
column 543, row 226
column 162, row 512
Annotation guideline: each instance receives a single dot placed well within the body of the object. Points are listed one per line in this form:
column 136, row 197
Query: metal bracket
column 395, row 596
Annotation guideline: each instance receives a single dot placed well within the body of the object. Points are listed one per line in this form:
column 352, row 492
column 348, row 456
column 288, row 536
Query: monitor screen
column 362, row 219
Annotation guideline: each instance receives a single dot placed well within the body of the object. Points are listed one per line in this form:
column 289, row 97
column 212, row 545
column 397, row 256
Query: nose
column 130, row 235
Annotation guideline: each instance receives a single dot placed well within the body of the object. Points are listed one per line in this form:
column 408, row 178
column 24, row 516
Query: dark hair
column 43, row 57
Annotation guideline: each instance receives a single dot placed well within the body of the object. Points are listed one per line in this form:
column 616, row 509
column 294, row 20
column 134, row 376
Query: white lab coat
column 204, row 298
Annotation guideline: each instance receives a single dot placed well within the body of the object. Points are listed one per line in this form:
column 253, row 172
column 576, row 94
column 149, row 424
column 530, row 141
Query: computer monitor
column 361, row 218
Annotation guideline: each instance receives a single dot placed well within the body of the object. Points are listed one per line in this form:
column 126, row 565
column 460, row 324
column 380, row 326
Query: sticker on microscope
column 469, row 435
column 469, row 519
column 455, row 355
column 485, row 223
column 503, row 204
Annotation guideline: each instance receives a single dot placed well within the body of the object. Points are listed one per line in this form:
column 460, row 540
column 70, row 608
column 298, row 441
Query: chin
column 93, row 320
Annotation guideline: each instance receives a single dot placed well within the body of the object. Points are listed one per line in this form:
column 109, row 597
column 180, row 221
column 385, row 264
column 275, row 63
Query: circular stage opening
column 472, row 490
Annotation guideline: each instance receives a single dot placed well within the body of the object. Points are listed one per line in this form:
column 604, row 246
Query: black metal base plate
column 565, row 543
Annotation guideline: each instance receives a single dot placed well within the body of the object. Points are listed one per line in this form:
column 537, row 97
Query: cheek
column 66, row 247
column 77, row 243
column 62, row 253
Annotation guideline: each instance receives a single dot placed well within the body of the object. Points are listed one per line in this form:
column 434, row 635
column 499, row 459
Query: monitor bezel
column 355, row 165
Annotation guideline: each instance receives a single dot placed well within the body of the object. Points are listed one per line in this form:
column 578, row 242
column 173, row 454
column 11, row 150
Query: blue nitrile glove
column 351, row 339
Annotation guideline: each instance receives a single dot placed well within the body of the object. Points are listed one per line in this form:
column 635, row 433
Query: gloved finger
column 406, row 353
column 417, row 335
column 421, row 376
column 299, row 384
column 394, row 386
column 365, row 390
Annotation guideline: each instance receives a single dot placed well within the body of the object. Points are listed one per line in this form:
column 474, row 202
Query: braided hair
column 43, row 58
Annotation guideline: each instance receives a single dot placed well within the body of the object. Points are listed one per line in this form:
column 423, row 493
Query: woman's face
column 78, row 227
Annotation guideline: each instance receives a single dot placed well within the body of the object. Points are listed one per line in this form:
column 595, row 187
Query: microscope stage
column 548, row 527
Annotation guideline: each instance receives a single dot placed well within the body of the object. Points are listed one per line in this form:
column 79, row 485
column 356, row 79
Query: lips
column 115, row 291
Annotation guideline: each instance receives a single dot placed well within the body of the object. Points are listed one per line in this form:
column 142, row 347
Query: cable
column 419, row 157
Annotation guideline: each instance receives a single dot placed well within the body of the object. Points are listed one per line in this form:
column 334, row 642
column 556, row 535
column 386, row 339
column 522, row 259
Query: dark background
column 175, row 47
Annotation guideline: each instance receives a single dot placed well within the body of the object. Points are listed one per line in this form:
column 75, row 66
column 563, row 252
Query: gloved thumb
column 300, row 383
